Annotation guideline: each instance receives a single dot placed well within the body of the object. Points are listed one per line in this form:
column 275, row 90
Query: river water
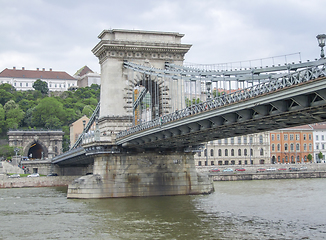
column 265, row 209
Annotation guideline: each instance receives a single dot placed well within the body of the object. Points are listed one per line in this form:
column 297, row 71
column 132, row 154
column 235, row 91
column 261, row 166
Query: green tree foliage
column 41, row 86
column 13, row 114
column 48, row 112
column 320, row 155
column 309, row 157
column 6, row 151
column 2, row 119
column 5, row 96
column 88, row 110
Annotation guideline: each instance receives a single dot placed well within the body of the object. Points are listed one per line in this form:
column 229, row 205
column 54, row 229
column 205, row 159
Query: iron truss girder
column 286, row 107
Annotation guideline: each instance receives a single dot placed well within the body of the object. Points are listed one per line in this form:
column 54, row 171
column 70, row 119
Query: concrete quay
column 23, row 182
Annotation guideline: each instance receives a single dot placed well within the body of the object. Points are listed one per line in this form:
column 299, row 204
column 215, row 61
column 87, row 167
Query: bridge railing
column 278, row 81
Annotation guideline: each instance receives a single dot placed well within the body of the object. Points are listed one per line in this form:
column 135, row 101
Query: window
column 291, row 147
column 219, row 141
column 278, row 137
column 292, row 159
column 261, row 139
column 199, row 163
column 251, row 139
column 226, row 152
column 26, row 84
column 317, row 146
column 232, row 140
column 21, row 84
column 310, row 147
column 239, row 152
column 316, row 137
column 219, row 152
column 285, row 147
column 273, row 147
column 309, row 136
column 212, row 152
column 225, row 141
column 273, row 137
column 297, row 137
column 278, row 147
column 245, row 139
column 199, row 154
column 279, row 159
column 205, row 153
column 286, row 158
column 291, row 137
column 305, row 147
column 55, row 85
column 245, row 152
column 285, row 137
column 239, row 140
column 297, row 148
column 232, row 152
column 304, row 137
column 323, row 146
column 251, row 152
column 261, row 152
column 322, row 137
column 212, row 163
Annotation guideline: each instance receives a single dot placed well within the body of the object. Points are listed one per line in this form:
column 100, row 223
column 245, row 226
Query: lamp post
column 321, row 41
column 208, row 87
column 16, row 151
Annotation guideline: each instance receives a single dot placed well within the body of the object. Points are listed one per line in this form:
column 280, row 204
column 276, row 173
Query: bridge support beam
column 141, row 175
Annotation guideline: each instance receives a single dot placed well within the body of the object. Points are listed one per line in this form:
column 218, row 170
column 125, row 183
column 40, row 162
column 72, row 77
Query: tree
column 13, row 114
column 6, row 151
column 41, row 86
column 2, row 118
column 48, row 111
column 320, row 155
column 88, row 110
column 309, row 157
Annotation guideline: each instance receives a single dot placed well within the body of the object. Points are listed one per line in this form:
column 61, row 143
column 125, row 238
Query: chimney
column 37, row 69
column 43, row 69
column 23, row 68
column 14, row 68
column 50, row 69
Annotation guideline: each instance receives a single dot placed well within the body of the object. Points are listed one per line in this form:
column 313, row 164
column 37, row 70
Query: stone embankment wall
column 56, row 181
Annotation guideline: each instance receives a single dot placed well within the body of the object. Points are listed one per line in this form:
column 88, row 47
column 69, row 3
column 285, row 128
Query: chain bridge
column 155, row 112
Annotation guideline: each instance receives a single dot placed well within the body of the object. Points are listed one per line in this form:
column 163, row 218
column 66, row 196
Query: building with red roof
column 23, row 79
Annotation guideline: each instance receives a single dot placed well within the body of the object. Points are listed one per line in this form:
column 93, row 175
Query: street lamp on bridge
column 321, row 41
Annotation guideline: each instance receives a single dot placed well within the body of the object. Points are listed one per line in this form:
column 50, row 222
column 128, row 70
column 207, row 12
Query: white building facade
column 23, row 79
column 249, row 149
column 319, row 136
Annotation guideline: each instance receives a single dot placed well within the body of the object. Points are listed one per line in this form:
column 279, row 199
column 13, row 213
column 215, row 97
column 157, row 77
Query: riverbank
column 23, row 182
column 266, row 176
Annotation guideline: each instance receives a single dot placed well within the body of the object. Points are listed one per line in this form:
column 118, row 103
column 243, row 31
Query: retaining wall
column 56, row 181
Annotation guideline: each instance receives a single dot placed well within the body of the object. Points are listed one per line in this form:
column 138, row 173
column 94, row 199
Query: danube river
column 273, row 209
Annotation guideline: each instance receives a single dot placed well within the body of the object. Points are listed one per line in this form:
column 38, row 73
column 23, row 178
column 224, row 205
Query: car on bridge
column 281, row 169
column 293, row 169
column 261, row 170
column 303, row 169
column 215, row 170
column 272, row 169
column 228, row 170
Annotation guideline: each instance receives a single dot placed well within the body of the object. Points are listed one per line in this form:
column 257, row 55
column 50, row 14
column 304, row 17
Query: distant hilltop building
column 23, row 79
column 86, row 77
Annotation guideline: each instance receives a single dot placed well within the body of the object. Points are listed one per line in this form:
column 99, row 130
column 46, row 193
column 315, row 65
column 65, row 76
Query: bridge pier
column 141, row 175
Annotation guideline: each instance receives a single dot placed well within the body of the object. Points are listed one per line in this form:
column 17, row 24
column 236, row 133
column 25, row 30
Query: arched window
column 285, row 147
column 205, row 153
column 286, row 158
column 297, row 147
column 232, row 152
column 291, row 147
column 245, row 152
column 226, row 152
column 305, row 147
column 279, row 159
column 212, row 152
column 261, row 152
column 219, row 152
column 273, row 147
column 239, row 152
column 251, row 152
column 310, row 146
column 292, row 159
column 278, row 147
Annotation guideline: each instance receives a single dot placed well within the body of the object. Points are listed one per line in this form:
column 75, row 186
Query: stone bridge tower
column 149, row 48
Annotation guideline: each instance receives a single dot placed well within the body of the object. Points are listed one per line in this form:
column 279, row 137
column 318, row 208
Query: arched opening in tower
column 147, row 100
column 35, row 151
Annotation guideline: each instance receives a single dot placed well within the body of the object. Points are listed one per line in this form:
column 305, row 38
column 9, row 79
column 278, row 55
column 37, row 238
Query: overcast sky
column 60, row 34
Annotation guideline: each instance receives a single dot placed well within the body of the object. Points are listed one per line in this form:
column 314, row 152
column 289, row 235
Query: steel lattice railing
column 275, row 83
